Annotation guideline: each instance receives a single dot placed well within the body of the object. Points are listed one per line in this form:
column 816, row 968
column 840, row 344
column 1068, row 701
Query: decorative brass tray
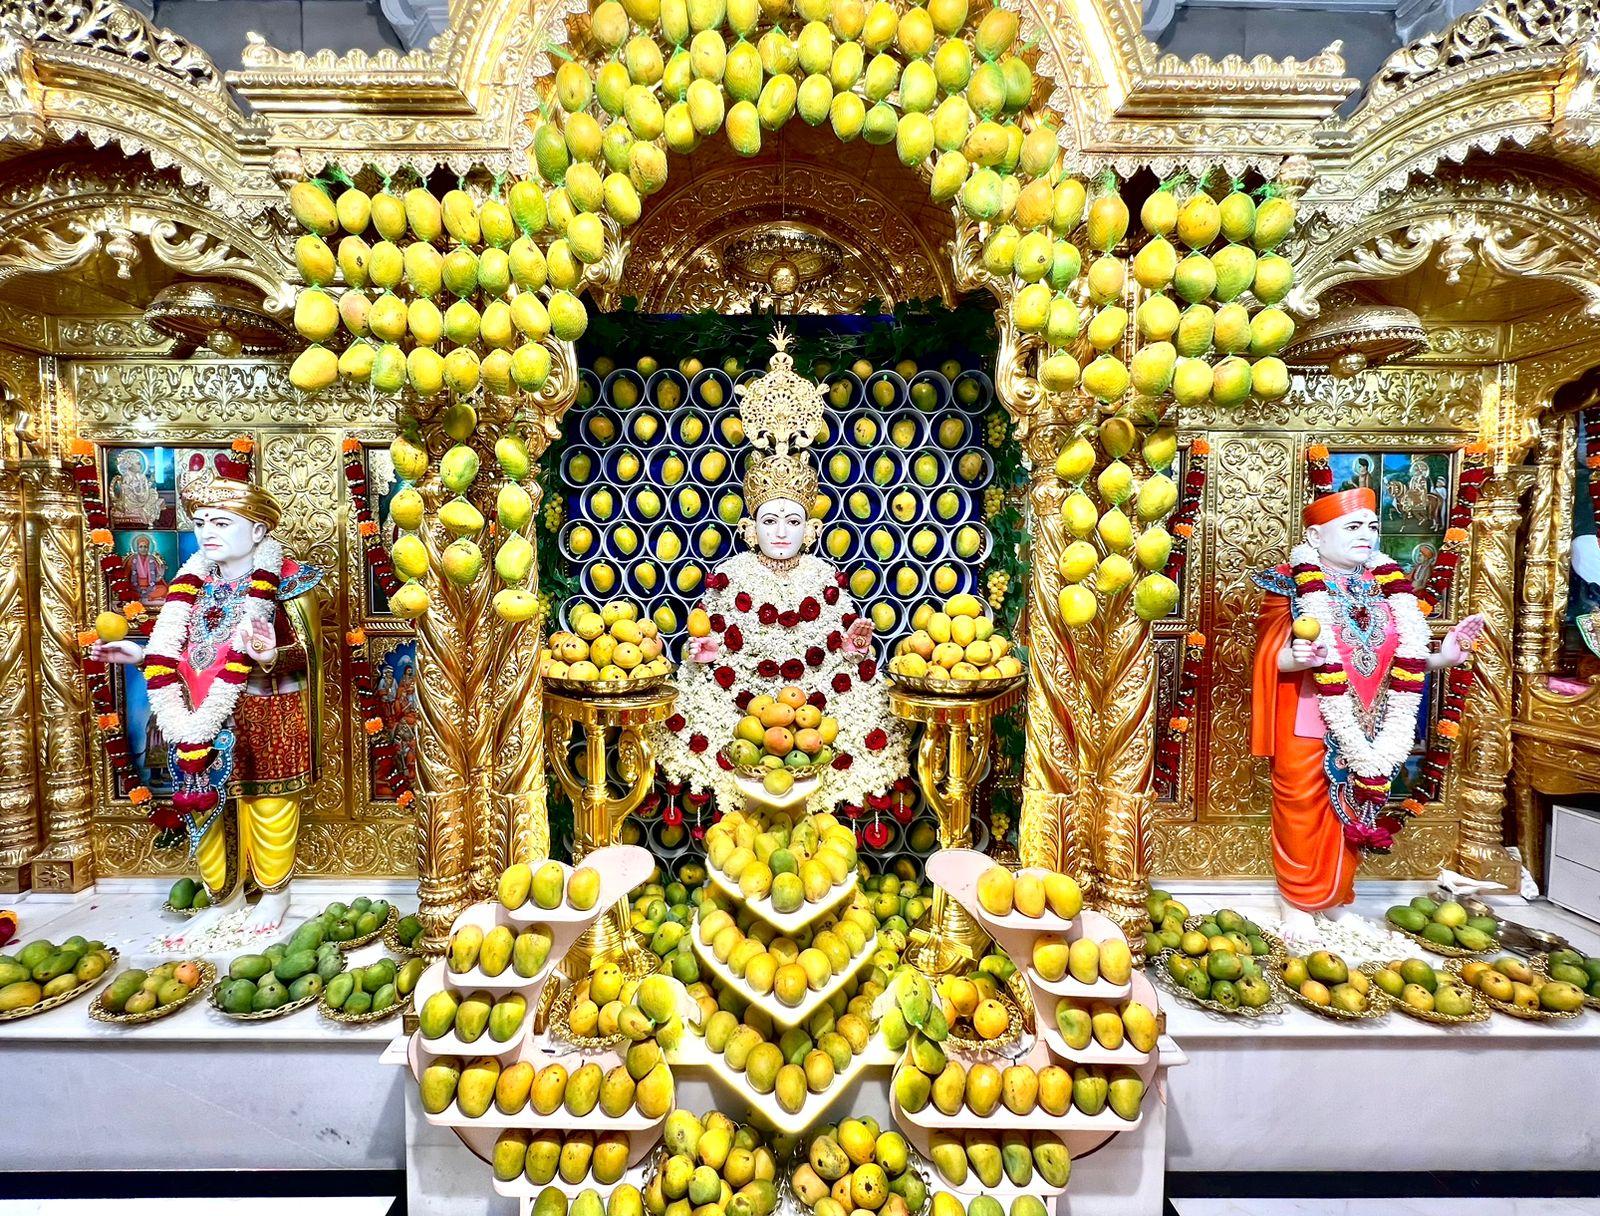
column 1480, row 1003
column 366, row 939
column 605, row 688
column 99, row 1012
column 263, row 1015
column 1378, row 1002
column 61, row 998
column 1156, row 966
column 1444, row 951
column 958, row 689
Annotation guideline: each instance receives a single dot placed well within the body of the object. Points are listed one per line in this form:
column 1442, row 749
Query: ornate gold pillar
column 1058, row 811
column 1542, row 578
column 55, row 521
column 1484, row 754
column 19, row 794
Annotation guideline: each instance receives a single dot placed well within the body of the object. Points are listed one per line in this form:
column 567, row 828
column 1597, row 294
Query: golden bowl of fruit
column 609, row 652
column 955, row 652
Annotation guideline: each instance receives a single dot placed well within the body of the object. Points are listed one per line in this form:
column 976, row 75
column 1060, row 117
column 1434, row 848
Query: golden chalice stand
column 957, row 729
column 615, row 726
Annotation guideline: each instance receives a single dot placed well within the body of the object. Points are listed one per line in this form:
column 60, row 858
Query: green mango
column 378, row 974
column 505, row 1018
column 270, row 994
column 359, row 1003
column 330, row 965
column 295, row 965
column 384, row 998
column 182, row 893
column 338, row 990
column 309, row 984
column 240, row 996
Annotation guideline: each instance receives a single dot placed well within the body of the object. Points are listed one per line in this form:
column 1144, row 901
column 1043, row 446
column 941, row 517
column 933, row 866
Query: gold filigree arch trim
column 55, row 215
column 1522, row 224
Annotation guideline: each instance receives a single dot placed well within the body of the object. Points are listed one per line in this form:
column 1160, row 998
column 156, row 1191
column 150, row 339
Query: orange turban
column 1331, row 506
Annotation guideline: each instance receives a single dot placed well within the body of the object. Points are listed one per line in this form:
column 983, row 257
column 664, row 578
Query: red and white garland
column 1372, row 760
column 1169, row 750
column 374, row 551
column 776, row 629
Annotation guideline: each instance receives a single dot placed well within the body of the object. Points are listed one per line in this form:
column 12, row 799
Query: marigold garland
column 1169, row 749
column 374, row 552
column 1182, row 523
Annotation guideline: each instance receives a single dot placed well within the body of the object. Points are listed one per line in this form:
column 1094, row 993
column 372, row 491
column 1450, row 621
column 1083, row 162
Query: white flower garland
column 180, row 722
column 711, row 711
column 1378, row 756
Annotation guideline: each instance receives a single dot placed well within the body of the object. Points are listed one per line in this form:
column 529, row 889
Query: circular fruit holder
column 981, row 687
column 262, row 1015
column 99, row 1012
column 1443, row 951
column 168, row 907
column 1003, row 1044
column 606, row 688
column 1479, row 1013
column 1378, row 1002
column 558, row 1028
column 61, row 998
column 1158, row 964
column 366, row 939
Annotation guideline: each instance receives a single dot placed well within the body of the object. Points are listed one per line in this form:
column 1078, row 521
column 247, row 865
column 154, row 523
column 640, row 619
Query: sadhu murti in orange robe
column 1313, row 857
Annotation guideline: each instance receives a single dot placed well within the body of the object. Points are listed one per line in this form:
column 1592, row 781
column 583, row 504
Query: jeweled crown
column 224, row 485
column 782, row 412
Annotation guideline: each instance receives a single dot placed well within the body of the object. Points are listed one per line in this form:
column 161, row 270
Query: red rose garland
column 1182, row 523
column 1474, row 473
column 374, row 551
column 1169, row 751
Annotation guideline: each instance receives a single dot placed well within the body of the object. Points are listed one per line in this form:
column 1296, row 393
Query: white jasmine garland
column 1380, row 755
column 711, row 711
column 180, row 722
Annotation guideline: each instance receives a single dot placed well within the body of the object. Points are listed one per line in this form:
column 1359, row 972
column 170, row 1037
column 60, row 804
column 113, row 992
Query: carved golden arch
column 1528, row 223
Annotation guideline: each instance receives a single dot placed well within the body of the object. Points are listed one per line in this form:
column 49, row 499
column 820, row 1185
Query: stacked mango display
column 576, row 1157
column 41, row 970
column 928, row 1075
column 461, row 561
column 624, row 1200
column 1445, row 924
column 957, row 643
column 1030, row 893
column 793, row 861
column 470, row 1016
column 1511, row 981
column 713, row 1166
column 606, row 1004
column 611, row 644
column 476, row 1085
column 998, row 1158
column 1108, row 1024
column 1199, row 323
column 855, row 1167
column 787, row 967
column 548, row 887
column 791, row 1064
column 946, row 1204
column 476, row 254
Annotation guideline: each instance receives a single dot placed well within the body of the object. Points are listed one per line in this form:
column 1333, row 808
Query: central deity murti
column 777, row 619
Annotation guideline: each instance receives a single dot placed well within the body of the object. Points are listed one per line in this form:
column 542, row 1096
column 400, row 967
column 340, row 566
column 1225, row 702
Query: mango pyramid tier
column 784, row 735
column 788, row 871
column 610, row 645
column 856, row 1167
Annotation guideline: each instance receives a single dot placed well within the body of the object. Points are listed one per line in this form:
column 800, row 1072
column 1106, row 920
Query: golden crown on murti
column 782, row 413
column 207, row 489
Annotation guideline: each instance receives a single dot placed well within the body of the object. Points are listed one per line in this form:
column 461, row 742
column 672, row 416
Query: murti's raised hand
column 1459, row 642
column 858, row 638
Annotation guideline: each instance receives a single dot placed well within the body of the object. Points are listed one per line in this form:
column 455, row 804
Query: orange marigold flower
column 405, row 799
column 1455, row 536
column 133, row 610
column 1593, row 460
column 244, row 444
column 1196, row 639
column 107, row 721
column 1317, row 451
column 87, row 638
column 1478, row 448
column 101, row 536
column 1413, row 805
column 1427, row 607
column 1200, row 447
column 1183, row 530
column 351, row 445
column 1450, row 730
column 372, row 725
column 81, row 447
column 367, row 527
column 356, row 637
column 139, row 795
column 1179, row 726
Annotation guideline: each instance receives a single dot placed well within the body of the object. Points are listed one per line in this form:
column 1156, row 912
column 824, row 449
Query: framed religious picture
column 1581, row 635
column 394, row 662
column 1414, row 490
column 152, row 537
